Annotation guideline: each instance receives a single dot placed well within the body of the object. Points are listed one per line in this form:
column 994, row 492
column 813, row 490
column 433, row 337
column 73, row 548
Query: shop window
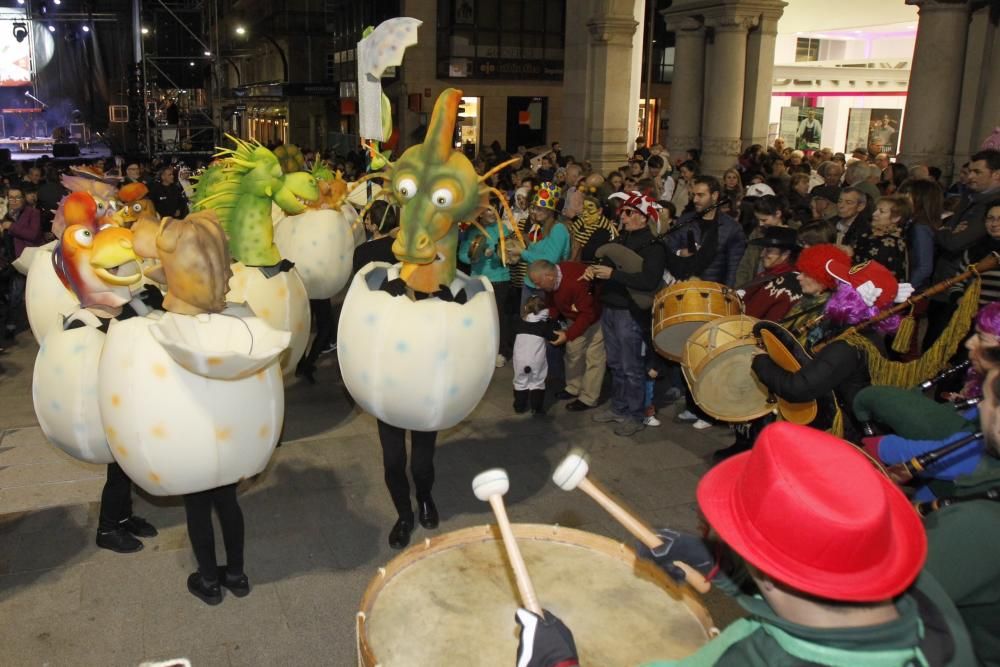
column 501, row 39
column 806, row 49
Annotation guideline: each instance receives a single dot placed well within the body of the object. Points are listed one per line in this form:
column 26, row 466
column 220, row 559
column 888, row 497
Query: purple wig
column 847, row 308
column 988, row 319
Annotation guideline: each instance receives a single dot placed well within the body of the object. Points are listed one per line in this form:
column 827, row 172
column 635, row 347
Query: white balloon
column 421, row 365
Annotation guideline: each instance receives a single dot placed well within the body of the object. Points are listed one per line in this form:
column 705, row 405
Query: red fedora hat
column 809, row 510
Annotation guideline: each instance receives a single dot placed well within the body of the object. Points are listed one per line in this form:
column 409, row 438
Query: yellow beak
column 113, row 258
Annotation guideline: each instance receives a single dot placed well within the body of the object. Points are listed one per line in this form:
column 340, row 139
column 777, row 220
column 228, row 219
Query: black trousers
column 198, row 508
column 502, row 292
column 116, row 498
column 393, row 441
column 322, row 310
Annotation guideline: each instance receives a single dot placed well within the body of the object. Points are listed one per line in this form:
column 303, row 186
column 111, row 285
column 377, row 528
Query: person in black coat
column 863, row 291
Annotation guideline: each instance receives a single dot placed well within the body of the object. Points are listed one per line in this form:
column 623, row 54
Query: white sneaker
column 501, row 361
column 651, row 421
column 701, row 424
column 686, row 417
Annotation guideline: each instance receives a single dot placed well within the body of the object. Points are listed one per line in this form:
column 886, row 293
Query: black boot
column 538, row 401
column 520, row 401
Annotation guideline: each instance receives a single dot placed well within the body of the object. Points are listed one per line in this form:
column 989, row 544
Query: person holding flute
column 830, row 572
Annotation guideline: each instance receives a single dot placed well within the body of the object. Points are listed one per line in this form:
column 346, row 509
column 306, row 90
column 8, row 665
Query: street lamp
column 240, row 30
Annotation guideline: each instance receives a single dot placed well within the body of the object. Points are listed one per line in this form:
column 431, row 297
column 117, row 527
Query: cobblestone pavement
column 317, row 522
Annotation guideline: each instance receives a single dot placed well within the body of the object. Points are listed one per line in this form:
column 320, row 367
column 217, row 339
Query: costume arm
column 819, row 377
column 955, row 535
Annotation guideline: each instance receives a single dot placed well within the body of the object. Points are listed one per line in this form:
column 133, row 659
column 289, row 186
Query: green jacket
column 929, row 632
column 964, row 556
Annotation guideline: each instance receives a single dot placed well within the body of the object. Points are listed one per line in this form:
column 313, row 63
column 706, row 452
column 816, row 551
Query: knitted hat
column 811, row 511
column 813, row 260
column 547, row 196
column 646, row 205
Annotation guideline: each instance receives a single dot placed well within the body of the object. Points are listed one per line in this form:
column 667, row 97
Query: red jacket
column 574, row 301
column 772, row 294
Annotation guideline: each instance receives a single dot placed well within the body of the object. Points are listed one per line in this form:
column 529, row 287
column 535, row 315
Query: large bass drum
column 681, row 308
column 451, row 601
column 716, row 365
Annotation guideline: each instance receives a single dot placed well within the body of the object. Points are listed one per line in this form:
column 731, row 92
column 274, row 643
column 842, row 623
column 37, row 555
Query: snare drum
column 451, row 601
column 716, row 365
column 681, row 308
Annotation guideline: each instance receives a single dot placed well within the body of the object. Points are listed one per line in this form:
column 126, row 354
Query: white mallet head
column 489, row 483
column 572, row 470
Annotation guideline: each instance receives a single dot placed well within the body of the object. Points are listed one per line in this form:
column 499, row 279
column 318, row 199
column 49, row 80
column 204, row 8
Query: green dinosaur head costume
column 241, row 188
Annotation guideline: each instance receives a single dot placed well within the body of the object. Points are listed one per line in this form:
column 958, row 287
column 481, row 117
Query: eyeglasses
column 15, row 197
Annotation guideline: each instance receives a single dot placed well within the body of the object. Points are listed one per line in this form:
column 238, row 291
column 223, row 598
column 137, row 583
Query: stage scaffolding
column 184, row 68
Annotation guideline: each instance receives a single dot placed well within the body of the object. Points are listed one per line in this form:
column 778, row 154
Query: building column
column 687, row 85
column 934, row 93
column 759, row 79
column 608, row 84
column 722, row 120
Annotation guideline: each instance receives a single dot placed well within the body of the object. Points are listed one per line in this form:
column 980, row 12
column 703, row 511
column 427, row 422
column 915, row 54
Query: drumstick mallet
column 572, row 474
column 490, row 486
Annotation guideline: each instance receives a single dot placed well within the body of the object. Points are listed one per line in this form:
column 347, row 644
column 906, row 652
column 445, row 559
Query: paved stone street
column 317, row 523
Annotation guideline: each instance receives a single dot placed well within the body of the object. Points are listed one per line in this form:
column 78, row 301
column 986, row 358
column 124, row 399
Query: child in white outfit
column 529, row 363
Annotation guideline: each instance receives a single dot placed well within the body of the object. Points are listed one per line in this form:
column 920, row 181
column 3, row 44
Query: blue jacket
column 920, row 239
column 732, row 245
column 491, row 267
column 555, row 247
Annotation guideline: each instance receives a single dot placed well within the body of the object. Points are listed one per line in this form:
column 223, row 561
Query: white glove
column 869, row 293
column 904, row 292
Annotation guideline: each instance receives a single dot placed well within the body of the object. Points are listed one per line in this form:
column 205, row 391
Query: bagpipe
column 884, row 371
column 903, row 472
column 925, row 508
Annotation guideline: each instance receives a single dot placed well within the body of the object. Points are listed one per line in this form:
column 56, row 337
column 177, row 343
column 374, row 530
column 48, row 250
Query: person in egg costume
column 98, row 265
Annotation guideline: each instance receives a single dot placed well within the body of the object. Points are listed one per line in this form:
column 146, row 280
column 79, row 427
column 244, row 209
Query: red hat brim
column 719, row 501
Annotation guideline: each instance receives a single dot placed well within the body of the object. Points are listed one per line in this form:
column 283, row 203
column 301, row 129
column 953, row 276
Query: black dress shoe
column 238, row 585
column 578, row 406
column 427, row 514
column 399, row 536
column 118, row 540
column 563, row 395
column 139, row 526
column 206, row 591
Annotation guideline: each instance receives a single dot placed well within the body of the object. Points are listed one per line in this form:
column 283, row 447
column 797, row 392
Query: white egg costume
column 281, row 301
column 420, row 365
column 321, row 244
column 191, row 402
column 46, row 299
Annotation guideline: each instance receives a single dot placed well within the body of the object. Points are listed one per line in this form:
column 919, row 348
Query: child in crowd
column 530, row 365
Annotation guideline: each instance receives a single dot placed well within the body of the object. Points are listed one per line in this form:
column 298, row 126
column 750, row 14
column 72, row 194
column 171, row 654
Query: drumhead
column 451, row 601
column 670, row 341
column 728, row 390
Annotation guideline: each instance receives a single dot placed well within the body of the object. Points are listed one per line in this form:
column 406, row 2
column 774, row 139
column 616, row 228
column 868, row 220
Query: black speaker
column 65, row 150
column 4, row 155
